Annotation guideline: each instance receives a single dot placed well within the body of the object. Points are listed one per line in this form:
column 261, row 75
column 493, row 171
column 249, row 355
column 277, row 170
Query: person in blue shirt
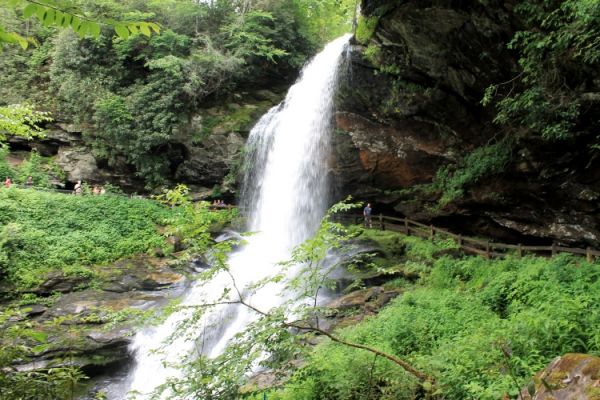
column 367, row 214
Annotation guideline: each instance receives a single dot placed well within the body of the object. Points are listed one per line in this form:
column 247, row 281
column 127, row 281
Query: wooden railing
column 486, row 248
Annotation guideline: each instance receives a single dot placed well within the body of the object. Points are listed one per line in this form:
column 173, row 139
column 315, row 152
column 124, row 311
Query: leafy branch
column 60, row 14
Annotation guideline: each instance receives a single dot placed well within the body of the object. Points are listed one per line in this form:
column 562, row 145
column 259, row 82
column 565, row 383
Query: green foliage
column 248, row 36
column 481, row 327
column 270, row 333
column 33, row 168
column 21, row 120
column 133, row 94
column 325, row 20
column 41, row 169
column 366, row 28
column 559, row 56
column 20, row 341
column 6, row 170
column 482, row 162
column 64, row 14
column 194, row 221
column 45, row 231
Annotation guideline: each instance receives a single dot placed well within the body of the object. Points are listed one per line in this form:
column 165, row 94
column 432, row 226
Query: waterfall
column 286, row 194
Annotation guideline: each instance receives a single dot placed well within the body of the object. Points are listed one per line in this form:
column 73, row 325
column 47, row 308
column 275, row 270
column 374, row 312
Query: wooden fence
column 485, row 248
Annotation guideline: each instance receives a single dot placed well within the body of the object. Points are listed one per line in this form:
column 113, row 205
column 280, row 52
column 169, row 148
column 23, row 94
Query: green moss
column 366, row 28
column 233, row 118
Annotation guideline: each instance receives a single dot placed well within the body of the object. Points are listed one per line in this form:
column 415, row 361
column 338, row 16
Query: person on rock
column 367, row 214
column 29, row 182
column 7, row 182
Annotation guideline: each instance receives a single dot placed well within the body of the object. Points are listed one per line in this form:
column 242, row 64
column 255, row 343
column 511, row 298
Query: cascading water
column 286, row 194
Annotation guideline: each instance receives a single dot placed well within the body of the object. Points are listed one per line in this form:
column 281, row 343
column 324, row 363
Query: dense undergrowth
column 41, row 232
column 482, row 328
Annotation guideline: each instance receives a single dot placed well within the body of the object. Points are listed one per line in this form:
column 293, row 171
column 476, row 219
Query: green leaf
column 40, row 348
column 67, row 20
column 58, row 18
column 40, row 12
column 154, row 26
column 133, row 28
column 30, row 10
column 38, row 336
column 75, row 23
column 122, row 31
column 145, row 29
column 94, row 29
column 49, row 17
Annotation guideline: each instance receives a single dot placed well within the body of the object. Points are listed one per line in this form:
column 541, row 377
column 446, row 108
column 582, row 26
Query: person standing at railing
column 7, row 182
column 367, row 214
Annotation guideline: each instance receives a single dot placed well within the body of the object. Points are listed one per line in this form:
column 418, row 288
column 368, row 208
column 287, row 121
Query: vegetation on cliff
column 482, row 95
column 134, row 93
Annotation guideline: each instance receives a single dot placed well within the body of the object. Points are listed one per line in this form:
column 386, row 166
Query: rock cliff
column 411, row 105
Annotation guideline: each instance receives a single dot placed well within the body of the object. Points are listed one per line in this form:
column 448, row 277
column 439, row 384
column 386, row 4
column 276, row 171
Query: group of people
column 8, row 182
column 96, row 189
column 219, row 203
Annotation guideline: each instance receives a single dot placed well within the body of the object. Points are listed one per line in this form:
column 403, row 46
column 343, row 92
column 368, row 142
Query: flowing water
column 286, row 194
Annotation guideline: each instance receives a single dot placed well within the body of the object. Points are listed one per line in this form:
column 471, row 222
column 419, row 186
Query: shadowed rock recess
column 411, row 104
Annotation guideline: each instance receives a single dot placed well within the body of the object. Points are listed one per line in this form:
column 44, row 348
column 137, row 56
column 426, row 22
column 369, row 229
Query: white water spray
column 286, row 193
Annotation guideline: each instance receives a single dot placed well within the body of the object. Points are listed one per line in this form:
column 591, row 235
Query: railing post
column 406, row 228
column 588, row 255
column 520, row 250
column 487, row 249
column 460, row 241
column 432, row 232
column 553, row 249
column 381, row 225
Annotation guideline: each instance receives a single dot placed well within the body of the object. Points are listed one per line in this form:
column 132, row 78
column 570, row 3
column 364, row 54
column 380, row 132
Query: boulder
column 57, row 281
column 78, row 163
column 568, row 377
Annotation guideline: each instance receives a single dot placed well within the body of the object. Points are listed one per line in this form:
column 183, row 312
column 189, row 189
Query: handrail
column 479, row 246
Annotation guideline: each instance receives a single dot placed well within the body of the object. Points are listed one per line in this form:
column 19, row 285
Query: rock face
column 569, row 377
column 93, row 327
column 411, row 103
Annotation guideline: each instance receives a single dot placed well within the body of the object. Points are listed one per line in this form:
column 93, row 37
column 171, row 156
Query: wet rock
column 95, row 305
column 355, row 299
column 209, row 161
column 374, row 297
column 57, row 281
column 140, row 273
column 78, row 163
column 34, row 310
column 569, row 377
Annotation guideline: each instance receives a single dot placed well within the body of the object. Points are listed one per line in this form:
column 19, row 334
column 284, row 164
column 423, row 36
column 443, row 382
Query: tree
column 278, row 335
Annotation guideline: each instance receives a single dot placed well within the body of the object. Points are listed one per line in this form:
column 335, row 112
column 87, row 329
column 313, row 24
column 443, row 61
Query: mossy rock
column 569, row 377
